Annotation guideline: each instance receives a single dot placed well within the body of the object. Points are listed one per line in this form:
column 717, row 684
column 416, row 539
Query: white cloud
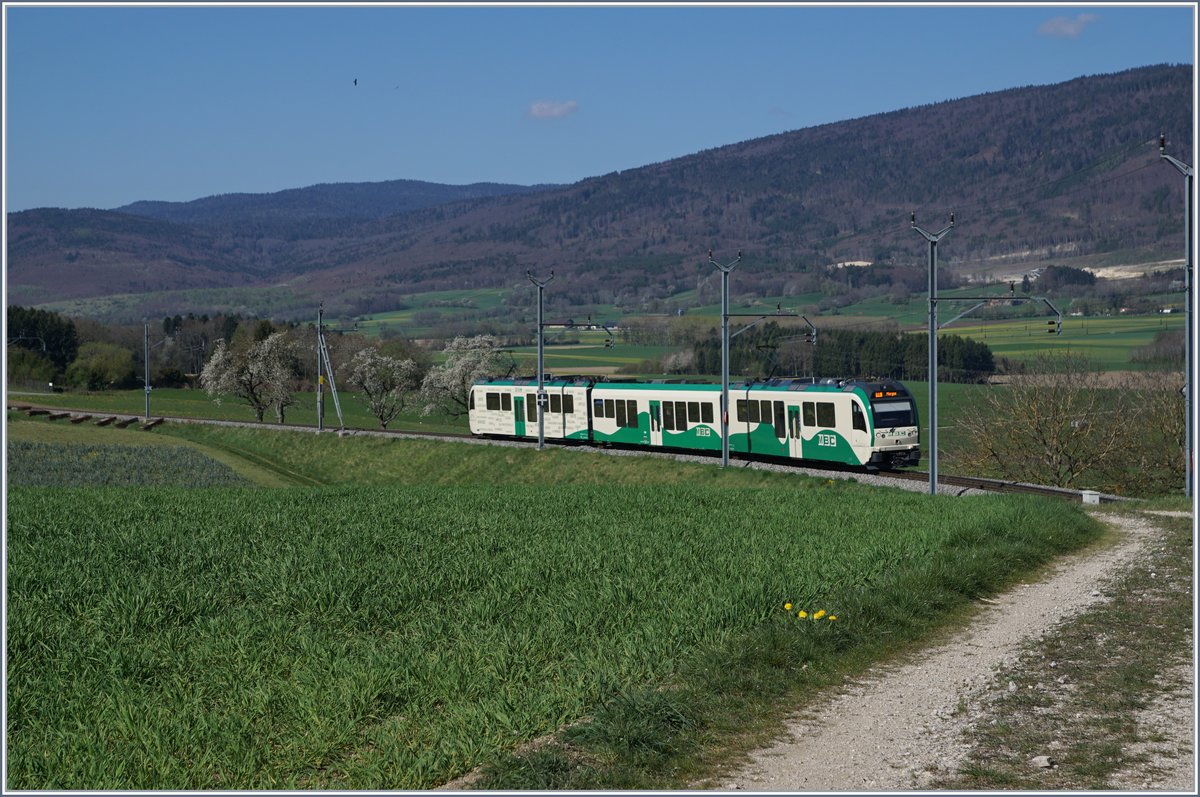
column 1064, row 28
column 550, row 109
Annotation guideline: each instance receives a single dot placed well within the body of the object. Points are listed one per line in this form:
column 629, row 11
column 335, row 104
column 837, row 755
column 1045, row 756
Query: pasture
column 1109, row 341
column 439, row 605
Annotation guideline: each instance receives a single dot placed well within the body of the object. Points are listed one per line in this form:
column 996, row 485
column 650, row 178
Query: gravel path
column 901, row 726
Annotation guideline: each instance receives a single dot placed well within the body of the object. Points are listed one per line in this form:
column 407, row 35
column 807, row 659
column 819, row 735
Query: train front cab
column 896, row 426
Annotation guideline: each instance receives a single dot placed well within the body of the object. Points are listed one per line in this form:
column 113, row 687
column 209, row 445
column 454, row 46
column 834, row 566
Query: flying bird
column 356, row 81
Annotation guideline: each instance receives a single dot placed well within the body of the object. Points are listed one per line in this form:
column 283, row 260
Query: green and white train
column 862, row 423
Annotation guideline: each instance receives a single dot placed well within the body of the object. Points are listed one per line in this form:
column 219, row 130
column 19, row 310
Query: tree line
column 773, row 350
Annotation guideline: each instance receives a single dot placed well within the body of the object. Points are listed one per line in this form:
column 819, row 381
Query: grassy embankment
column 399, row 636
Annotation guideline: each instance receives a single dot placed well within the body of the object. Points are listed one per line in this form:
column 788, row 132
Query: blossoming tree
column 447, row 387
column 387, row 382
column 261, row 374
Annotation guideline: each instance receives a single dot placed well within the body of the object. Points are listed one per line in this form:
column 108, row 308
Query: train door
column 793, row 429
column 519, row 415
column 859, row 437
column 656, row 435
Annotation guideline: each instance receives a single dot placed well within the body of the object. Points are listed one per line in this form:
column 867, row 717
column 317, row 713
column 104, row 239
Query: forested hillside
column 1062, row 174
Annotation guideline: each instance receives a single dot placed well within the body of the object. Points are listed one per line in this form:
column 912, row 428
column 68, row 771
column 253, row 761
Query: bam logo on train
column 852, row 422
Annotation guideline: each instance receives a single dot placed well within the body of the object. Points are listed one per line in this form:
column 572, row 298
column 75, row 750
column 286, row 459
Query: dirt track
column 901, row 727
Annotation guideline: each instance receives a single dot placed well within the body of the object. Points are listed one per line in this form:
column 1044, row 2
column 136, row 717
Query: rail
column 964, row 482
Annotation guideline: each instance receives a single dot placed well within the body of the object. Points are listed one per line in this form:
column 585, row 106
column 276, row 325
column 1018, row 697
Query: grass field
column 386, row 637
column 1109, row 341
column 187, row 403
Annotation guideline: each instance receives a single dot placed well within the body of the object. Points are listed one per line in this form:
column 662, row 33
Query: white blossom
column 447, row 387
column 386, row 381
column 262, row 375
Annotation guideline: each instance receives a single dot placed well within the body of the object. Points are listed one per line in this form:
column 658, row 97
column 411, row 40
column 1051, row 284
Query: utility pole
column 541, row 371
column 146, row 357
column 725, row 352
column 933, row 239
column 1189, row 175
column 320, row 376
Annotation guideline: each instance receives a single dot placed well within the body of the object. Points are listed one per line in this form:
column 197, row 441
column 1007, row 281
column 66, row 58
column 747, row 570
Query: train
column 861, row 423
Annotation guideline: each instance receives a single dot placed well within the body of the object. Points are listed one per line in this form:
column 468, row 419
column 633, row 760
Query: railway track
column 962, row 483
column 999, row 486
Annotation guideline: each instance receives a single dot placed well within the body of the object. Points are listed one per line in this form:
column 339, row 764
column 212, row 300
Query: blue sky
column 109, row 105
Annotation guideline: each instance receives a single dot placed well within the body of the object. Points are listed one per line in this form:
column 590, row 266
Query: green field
column 448, row 305
column 187, row 403
column 1109, row 341
column 439, row 605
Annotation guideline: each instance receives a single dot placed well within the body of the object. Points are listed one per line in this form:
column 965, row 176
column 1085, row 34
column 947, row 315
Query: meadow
column 192, row 403
column 419, row 609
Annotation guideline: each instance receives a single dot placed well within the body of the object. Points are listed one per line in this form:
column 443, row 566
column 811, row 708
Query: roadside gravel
column 903, row 726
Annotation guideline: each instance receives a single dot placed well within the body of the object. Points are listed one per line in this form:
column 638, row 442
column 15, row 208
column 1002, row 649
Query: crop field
column 77, row 465
column 1109, row 341
column 448, row 305
column 395, row 637
column 588, row 358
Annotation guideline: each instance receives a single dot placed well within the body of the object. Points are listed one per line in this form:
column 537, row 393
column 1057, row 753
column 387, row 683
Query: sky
column 107, row 105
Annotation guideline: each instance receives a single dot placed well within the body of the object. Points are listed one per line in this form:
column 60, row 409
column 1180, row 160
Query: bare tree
column 261, row 374
column 1064, row 423
column 447, row 387
column 387, row 382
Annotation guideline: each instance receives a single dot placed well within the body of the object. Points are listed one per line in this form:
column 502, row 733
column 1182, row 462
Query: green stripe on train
column 829, row 446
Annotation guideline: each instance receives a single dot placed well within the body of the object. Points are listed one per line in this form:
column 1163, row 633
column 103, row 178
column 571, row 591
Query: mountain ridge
column 1063, row 171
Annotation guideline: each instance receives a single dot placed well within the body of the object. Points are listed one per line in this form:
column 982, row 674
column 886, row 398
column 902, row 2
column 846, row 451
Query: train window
column 568, row 404
column 780, row 429
column 610, row 410
column 752, row 417
column 493, row 401
column 654, row 421
column 810, row 414
column 668, row 411
column 794, row 418
column 632, row 413
column 765, row 413
column 472, row 400
column 556, row 402
column 743, row 414
column 693, row 412
column 857, row 420
column 531, row 406
column 706, row 413
column 681, row 417
column 890, row 414
column 505, row 401
column 826, row 418
column 622, row 420
column 598, row 408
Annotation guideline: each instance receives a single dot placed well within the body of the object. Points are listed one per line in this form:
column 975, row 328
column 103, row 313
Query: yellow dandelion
column 820, row 613
column 787, row 607
column 833, row 617
column 802, row 614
